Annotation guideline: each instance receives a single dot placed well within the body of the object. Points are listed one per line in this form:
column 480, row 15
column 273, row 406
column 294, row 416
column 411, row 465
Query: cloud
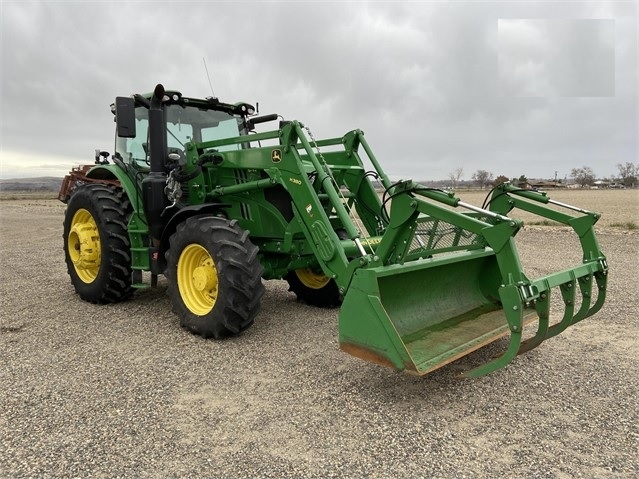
column 434, row 86
column 17, row 164
column 557, row 57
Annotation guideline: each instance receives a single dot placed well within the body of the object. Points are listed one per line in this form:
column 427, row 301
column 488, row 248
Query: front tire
column 215, row 277
column 96, row 243
column 314, row 289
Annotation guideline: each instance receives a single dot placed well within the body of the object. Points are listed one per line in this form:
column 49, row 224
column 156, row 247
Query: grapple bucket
column 419, row 312
column 423, row 315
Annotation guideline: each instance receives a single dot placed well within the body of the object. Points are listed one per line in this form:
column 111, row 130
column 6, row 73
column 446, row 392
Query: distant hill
column 43, row 183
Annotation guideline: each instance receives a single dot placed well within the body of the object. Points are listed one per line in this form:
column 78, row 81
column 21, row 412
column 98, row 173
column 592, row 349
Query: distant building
column 543, row 184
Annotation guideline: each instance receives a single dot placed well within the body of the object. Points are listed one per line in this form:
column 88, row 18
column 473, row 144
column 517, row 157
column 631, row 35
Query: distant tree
column 500, row 179
column 455, row 176
column 583, row 176
column 482, row 178
column 523, row 179
column 628, row 173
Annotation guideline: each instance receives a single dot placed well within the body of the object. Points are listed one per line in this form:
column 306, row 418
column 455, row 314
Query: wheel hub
column 83, row 245
column 204, row 278
column 197, row 279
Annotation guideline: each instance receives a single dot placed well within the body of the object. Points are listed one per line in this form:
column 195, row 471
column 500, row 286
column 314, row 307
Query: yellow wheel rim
column 197, row 279
column 83, row 244
column 311, row 279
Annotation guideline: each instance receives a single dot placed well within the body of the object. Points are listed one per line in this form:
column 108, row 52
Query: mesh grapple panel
column 433, row 236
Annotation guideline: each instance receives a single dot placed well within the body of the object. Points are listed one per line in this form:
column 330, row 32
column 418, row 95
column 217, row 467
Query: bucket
column 424, row 314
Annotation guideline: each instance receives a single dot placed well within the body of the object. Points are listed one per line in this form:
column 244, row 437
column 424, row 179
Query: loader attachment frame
column 474, row 277
column 436, row 278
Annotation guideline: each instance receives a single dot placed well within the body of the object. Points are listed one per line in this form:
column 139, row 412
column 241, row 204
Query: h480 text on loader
column 422, row 278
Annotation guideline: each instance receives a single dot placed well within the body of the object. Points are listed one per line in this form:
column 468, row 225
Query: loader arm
column 422, row 286
column 436, row 278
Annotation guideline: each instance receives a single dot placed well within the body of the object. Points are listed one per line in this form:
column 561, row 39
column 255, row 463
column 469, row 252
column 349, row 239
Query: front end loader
column 192, row 192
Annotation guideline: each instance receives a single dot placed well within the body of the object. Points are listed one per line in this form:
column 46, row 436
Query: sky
column 514, row 88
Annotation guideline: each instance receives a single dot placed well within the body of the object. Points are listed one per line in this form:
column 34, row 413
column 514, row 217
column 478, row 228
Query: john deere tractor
column 193, row 193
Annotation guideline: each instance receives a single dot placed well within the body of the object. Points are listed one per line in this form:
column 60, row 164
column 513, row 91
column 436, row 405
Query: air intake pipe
column 155, row 201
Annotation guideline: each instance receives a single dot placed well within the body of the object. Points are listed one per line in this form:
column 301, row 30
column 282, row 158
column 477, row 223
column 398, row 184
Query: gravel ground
column 122, row 391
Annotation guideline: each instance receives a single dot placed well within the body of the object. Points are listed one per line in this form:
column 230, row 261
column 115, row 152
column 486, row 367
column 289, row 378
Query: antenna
column 208, row 77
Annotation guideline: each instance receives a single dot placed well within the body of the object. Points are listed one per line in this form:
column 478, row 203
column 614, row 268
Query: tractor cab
column 186, row 120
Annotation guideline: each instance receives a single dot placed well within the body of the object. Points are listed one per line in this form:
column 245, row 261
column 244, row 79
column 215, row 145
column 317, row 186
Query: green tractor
column 194, row 193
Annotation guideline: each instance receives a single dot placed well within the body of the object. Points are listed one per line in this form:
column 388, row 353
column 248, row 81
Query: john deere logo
column 276, row 156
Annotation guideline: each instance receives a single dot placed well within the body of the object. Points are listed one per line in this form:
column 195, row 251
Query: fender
column 115, row 172
column 210, row 209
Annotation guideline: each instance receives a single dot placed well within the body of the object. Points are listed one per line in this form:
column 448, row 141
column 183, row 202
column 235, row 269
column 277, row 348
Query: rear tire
column 314, row 289
column 214, row 277
column 96, row 243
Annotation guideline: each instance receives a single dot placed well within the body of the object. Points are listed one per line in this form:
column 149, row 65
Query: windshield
column 183, row 124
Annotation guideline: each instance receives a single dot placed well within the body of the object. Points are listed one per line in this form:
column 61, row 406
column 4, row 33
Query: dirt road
column 122, row 391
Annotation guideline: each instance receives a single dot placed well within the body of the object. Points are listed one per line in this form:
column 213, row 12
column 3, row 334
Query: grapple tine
column 585, row 286
column 500, row 361
column 568, row 295
column 601, row 278
column 513, row 307
column 542, row 306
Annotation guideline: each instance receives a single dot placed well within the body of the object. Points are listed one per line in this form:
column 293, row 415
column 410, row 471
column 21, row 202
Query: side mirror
column 125, row 116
